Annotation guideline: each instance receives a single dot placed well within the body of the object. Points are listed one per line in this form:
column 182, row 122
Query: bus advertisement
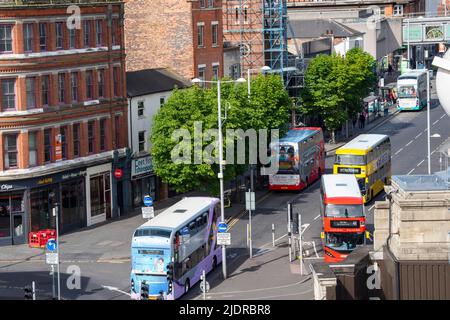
column 342, row 211
column 412, row 90
column 301, row 159
column 181, row 239
column 368, row 157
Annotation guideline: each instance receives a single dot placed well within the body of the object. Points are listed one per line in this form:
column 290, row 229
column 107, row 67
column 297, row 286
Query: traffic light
column 144, row 290
column 170, row 271
column 28, row 293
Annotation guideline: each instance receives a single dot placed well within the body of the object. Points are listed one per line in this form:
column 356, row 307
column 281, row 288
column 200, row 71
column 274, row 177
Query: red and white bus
column 301, row 159
column 342, row 210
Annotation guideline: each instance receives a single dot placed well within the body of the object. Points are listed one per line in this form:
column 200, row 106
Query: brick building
column 63, row 115
column 185, row 36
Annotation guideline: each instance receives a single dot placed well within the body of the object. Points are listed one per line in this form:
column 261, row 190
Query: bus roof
column 299, row 134
column 361, row 144
column 180, row 213
column 342, row 186
column 411, row 74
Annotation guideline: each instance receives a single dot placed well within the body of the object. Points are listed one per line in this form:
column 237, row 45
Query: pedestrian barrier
column 39, row 239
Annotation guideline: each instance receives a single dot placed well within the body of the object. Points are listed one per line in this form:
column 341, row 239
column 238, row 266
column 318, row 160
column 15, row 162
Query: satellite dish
column 443, row 80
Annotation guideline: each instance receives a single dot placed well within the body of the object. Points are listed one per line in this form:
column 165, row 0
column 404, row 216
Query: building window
column 102, row 134
column 45, row 90
column 5, row 38
column 245, row 14
column 210, row 3
column 114, row 32
column 72, row 38
column 63, row 133
column 47, row 145
column 200, row 34
column 32, row 149
column 89, row 85
column 201, row 75
column 141, row 138
column 141, row 108
column 61, row 88
column 28, row 37
column 99, row 33
column 116, row 76
column 215, row 69
column 118, row 129
column 59, row 35
column 91, row 136
column 76, row 140
column 202, row 3
column 162, row 100
column 10, row 148
column 74, row 86
column 43, row 36
column 87, row 33
column 235, row 71
column 31, row 92
column 8, row 94
column 215, row 30
column 101, row 82
column 398, row 10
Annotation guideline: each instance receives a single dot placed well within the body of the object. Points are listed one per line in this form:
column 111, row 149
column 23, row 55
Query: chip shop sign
column 141, row 166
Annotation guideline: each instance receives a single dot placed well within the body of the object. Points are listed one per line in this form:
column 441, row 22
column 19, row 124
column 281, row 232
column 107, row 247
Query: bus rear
column 412, row 91
column 301, row 159
column 344, row 221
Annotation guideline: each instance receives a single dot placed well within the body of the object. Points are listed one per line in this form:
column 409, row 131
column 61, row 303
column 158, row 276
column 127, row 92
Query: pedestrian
column 354, row 119
column 362, row 120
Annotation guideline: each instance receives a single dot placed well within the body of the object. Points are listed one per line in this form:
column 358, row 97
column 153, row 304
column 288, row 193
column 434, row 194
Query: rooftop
column 299, row 134
column 362, row 142
column 150, row 81
column 434, row 182
column 320, row 28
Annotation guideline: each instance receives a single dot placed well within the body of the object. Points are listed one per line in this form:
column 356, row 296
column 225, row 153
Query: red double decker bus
column 301, row 159
column 344, row 220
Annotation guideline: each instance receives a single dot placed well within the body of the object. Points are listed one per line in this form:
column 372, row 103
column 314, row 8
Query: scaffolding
column 259, row 28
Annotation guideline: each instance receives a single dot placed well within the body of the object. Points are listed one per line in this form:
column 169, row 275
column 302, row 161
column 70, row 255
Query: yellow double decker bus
column 368, row 157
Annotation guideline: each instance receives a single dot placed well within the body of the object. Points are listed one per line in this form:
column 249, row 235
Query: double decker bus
column 368, row 157
column 181, row 239
column 412, row 90
column 301, row 159
column 343, row 214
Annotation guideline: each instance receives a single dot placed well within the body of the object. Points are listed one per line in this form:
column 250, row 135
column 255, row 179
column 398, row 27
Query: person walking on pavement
column 362, row 120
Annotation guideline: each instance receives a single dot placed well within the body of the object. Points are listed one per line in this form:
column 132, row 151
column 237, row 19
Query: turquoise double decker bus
column 412, row 90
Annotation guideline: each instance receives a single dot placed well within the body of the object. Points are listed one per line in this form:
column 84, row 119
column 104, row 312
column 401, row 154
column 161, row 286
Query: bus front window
column 407, row 91
column 350, row 159
column 341, row 241
column 344, row 211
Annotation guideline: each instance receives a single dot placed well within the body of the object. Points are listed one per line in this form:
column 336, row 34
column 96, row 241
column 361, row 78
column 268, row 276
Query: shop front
column 143, row 180
column 98, row 191
column 26, row 205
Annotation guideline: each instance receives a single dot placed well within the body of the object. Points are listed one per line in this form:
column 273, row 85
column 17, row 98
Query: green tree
column 267, row 109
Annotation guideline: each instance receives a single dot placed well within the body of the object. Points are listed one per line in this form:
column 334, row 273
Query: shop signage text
column 141, row 166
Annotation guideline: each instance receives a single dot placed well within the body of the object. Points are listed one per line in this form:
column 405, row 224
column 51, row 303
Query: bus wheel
column 214, row 265
column 187, row 286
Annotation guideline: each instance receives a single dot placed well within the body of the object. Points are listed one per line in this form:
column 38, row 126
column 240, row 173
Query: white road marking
column 443, row 116
column 409, row 143
column 421, row 162
column 418, row 135
column 371, row 207
column 398, row 151
column 305, row 226
column 410, row 172
column 116, row 289
column 318, row 216
column 436, row 122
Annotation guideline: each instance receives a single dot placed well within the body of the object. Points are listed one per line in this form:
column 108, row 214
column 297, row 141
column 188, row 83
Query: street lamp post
column 220, row 174
column 428, row 122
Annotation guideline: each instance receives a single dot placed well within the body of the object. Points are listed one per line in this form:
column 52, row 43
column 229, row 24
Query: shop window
column 10, row 204
column 100, row 195
column 42, row 201
column 72, row 205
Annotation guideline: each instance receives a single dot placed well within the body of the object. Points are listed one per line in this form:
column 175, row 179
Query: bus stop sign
column 222, row 227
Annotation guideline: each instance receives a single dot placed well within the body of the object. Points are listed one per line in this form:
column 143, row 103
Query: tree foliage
column 267, row 109
column 335, row 86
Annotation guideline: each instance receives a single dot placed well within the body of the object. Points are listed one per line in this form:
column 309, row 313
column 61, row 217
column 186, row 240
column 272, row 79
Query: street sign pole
column 33, row 288
column 204, row 285
column 289, row 230
column 250, row 226
column 53, row 281
column 55, row 213
column 300, row 235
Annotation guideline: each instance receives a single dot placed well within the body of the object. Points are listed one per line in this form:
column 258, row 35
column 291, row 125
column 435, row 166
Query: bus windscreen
column 350, row 159
column 343, row 242
column 344, row 211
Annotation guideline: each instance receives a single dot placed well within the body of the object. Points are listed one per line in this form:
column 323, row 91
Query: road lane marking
column 436, row 122
column 421, row 162
column 409, row 143
column 398, row 151
column 418, row 135
column 410, row 172
column 318, row 216
column 371, row 207
column 443, row 116
column 116, row 289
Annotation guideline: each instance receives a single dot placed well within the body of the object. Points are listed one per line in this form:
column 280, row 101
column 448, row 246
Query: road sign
column 148, row 212
column 202, row 287
column 249, row 200
column 51, row 258
column 148, row 201
column 51, row 245
column 222, row 227
column 224, row 239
